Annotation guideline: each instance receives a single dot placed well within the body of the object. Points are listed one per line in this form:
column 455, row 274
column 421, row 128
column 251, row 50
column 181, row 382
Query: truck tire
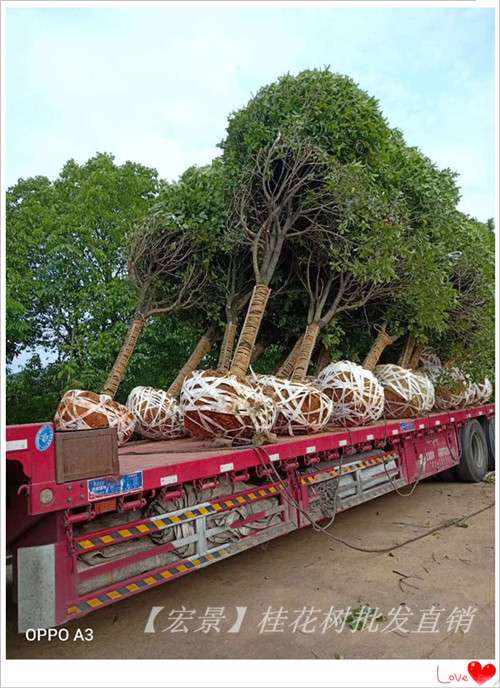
column 489, row 431
column 473, row 464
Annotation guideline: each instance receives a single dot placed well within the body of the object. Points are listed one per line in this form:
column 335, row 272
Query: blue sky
column 155, row 85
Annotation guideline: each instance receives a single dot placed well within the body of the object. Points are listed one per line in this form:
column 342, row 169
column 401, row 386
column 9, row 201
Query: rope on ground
column 442, row 526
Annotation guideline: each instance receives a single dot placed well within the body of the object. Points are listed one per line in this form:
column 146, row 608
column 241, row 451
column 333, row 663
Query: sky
column 155, row 85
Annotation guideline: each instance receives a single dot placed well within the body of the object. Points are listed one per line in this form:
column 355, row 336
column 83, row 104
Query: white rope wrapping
column 461, row 393
column 484, row 390
column 357, row 396
column 453, row 393
column 83, row 410
column 217, row 405
column 302, row 408
column 478, row 393
column 158, row 415
column 404, row 393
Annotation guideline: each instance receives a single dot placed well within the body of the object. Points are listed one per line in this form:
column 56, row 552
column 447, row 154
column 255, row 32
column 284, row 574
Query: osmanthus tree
column 234, row 280
column 423, row 296
column 352, row 263
column 164, row 269
column 469, row 338
column 417, row 307
column 278, row 199
column 173, row 261
column 278, row 148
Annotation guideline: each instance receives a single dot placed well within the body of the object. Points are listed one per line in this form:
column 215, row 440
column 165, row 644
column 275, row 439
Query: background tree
column 69, row 299
column 67, row 253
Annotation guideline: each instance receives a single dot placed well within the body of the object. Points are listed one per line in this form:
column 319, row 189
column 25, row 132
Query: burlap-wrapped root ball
column 404, row 393
column 357, row 396
column 452, row 390
column 122, row 419
column 478, row 393
column 158, row 415
column 427, row 390
column 84, row 410
column 301, row 408
column 472, row 394
column 216, row 404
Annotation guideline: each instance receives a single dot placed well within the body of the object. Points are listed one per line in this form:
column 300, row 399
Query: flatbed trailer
column 180, row 505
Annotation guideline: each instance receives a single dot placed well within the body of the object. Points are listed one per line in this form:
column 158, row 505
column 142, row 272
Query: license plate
column 111, row 487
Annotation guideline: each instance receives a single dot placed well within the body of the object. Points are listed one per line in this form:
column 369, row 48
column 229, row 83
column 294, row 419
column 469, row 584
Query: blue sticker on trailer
column 44, row 437
column 407, row 425
column 112, row 487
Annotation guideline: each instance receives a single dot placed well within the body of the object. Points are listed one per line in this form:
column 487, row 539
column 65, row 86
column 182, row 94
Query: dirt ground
column 453, row 568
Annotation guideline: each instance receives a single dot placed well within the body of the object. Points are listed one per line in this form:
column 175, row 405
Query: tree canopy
column 312, row 187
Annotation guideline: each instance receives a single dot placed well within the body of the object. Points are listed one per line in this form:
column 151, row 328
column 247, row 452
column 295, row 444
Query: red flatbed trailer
column 180, row 505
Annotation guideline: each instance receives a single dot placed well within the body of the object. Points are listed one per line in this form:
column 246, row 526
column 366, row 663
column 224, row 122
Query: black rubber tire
column 489, row 431
column 473, row 464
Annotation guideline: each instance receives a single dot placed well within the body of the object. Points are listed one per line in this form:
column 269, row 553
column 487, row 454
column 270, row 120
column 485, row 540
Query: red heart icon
column 481, row 674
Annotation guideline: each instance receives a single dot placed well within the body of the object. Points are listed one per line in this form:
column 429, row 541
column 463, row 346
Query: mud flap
column 36, row 587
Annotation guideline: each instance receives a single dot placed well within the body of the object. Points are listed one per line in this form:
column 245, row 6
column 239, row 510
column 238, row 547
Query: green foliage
column 395, row 216
column 469, row 340
column 317, row 105
column 67, row 244
column 199, row 204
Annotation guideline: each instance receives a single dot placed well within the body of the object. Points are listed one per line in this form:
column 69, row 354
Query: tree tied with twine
column 163, row 268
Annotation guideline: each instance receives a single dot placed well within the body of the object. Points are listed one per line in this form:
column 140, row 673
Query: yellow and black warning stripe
column 334, row 473
column 144, row 583
column 117, row 535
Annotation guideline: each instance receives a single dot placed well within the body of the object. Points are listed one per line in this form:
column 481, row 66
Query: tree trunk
column 257, row 352
column 227, row 346
column 306, row 350
column 414, row 360
column 203, row 347
column 324, row 359
column 286, row 368
column 381, row 342
column 248, row 335
column 407, row 352
column 121, row 362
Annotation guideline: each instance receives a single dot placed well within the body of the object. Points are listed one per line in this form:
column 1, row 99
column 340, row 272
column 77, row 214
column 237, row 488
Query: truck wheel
column 489, row 431
column 473, row 464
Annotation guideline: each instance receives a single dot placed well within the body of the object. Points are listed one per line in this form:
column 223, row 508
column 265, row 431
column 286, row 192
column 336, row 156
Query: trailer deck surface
column 145, row 454
column 150, row 454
